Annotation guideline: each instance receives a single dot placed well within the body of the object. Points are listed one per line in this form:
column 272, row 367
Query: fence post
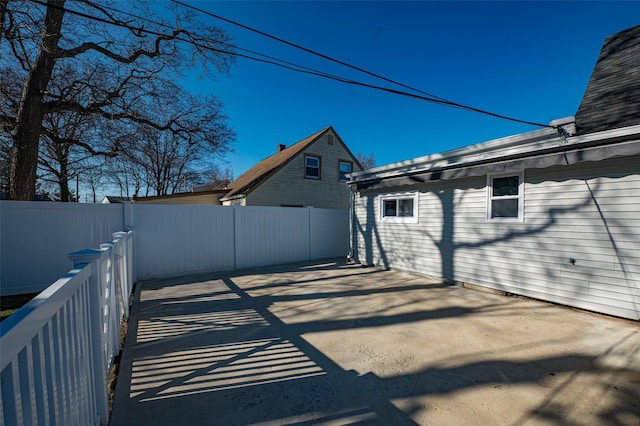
column 128, row 214
column 131, row 245
column 111, row 321
column 122, row 259
column 235, row 239
column 97, row 348
column 309, row 233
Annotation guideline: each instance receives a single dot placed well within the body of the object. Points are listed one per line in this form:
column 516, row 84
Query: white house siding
column 288, row 185
column 589, row 212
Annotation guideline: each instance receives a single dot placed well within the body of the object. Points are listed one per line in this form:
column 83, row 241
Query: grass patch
column 10, row 304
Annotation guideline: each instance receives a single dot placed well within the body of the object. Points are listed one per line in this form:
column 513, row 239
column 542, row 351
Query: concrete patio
column 333, row 343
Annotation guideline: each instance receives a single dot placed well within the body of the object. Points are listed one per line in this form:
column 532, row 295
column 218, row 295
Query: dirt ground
column 336, row 344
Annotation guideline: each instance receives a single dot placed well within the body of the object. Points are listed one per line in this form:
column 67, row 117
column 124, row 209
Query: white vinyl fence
column 35, row 238
column 56, row 351
column 170, row 239
column 175, row 240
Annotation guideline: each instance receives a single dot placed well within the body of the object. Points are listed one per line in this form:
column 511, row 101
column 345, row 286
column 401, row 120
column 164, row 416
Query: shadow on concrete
column 223, row 357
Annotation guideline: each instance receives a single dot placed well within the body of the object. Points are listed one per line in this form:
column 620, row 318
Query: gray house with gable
column 552, row 214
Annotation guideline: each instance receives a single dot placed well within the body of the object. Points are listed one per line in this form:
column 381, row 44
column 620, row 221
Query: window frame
column 340, row 162
column 399, row 196
column 317, row 157
column 519, row 197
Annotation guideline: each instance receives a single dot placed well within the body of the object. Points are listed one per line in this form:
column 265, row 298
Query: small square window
column 505, row 197
column 312, row 167
column 390, row 208
column 399, row 208
column 405, row 207
column 344, row 167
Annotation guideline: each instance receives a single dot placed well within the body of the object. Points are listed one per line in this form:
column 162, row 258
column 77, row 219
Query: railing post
column 131, row 230
column 97, row 348
column 121, row 241
column 111, row 321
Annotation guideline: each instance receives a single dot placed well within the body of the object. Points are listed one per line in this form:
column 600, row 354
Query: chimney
column 281, row 147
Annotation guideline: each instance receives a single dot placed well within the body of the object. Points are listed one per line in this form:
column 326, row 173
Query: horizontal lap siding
column 588, row 212
column 288, row 185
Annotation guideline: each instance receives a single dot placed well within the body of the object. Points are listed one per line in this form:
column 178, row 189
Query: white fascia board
column 499, row 148
column 495, row 148
column 233, row 197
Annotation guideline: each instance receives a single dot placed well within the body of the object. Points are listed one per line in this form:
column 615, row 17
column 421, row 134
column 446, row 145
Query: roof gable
column 256, row 175
column 613, row 93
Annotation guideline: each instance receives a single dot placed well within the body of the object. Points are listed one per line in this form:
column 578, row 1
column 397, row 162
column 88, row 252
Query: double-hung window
column 344, row 167
column 505, row 197
column 311, row 167
column 399, row 208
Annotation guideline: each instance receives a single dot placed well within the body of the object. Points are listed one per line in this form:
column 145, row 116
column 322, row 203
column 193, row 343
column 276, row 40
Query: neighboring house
column 552, row 214
column 310, row 173
column 202, row 198
column 112, row 199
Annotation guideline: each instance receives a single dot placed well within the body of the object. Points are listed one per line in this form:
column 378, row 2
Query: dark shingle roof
column 612, row 99
column 118, row 200
column 253, row 177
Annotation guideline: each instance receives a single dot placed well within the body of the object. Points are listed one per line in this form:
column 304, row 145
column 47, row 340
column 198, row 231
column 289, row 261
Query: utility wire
column 270, row 60
column 228, row 45
column 313, row 52
column 291, row 66
column 431, row 97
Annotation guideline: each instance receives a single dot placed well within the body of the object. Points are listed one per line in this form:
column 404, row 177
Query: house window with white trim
column 505, row 197
column 399, row 208
column 344, row 167
column 311, row 167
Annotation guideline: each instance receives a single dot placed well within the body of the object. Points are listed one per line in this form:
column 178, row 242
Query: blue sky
column 529, row 60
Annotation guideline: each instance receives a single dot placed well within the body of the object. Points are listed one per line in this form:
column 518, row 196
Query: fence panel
column 57, row 350
column 329, row 232
column 271, row 236
column 173, row 240
column 170, row 239
column 36, row 236
column 45, row 359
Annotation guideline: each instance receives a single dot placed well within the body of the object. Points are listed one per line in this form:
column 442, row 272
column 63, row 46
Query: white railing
column 56, row 352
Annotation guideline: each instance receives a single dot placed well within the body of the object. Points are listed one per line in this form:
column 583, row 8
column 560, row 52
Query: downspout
column 351, row 254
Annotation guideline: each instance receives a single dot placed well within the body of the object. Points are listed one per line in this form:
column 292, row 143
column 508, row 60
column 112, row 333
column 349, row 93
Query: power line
column 292, row 66
column 270, row 60
column 431, row 97
column 228, row 45
column 313, row 52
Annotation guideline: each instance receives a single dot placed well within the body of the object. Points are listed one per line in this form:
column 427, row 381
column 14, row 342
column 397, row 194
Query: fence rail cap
column 85, row 255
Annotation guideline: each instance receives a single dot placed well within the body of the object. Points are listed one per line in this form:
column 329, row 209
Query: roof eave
column 485, row 150
column 233, row 197
column 533, row 147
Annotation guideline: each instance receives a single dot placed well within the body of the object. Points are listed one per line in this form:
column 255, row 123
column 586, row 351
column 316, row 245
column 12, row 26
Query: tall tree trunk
column 3, row 16
column 26, row 140
column 63, row 181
